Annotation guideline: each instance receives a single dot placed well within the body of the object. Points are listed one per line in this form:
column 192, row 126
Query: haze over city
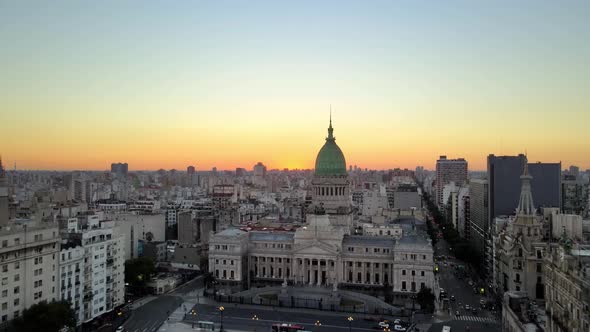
column 227, row 84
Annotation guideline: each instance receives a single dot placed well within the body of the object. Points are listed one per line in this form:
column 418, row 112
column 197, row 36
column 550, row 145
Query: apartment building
column 28, row 263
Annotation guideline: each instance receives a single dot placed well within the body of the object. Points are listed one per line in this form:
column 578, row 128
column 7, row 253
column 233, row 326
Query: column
column 320, row 270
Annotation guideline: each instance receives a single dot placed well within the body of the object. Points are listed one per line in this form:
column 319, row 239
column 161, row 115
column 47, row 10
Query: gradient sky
column 162, row 84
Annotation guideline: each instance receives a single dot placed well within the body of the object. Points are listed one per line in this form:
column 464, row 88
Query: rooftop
column 368, row 240
column 272, row 236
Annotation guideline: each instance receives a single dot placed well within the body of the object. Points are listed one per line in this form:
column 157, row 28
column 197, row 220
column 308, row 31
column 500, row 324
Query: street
column 237, row 318
column 150, row 316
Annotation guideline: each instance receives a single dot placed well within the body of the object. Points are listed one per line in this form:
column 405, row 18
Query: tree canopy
column 425, row 298
column 49, row 317
column 138, row 271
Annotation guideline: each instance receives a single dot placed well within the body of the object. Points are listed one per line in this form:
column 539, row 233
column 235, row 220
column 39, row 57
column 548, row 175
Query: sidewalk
column 184, row 327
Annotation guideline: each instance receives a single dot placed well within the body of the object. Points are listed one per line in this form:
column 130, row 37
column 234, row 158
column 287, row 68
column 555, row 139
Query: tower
column 331, row 185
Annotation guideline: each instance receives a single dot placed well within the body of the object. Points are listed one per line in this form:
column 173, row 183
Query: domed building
column 330, row 184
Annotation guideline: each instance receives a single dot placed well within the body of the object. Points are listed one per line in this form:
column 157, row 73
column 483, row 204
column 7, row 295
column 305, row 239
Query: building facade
column 567, row 273
column 29, row 259
column 447, row 171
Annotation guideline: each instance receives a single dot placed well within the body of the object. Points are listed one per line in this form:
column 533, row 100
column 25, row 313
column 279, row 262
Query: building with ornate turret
column 324, row 251
column 520, row 244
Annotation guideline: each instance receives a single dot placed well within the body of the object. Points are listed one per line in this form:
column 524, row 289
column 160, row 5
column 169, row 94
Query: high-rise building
column 94, row 284
column 504, row 189
column 120, row 169
column 478, row 201
column 504, row 184
column 28, row 267
column 259, row 170
column 447, row 171
column 4, row 212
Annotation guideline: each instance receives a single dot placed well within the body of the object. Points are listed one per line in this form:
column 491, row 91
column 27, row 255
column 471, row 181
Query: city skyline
column 197, row 84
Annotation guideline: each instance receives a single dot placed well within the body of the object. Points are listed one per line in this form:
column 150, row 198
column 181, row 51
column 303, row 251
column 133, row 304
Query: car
column 474, row 311
column 452, row 297
column 467, row 307
column 457, row 313
column 120, row 329
column 399, row 328
column 482, row 302
column 381, row 326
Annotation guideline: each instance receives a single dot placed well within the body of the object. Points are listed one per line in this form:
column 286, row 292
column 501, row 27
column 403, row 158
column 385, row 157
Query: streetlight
column 350, row 319
column 221, row 311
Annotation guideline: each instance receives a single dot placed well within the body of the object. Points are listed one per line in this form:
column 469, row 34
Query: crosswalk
column 476, row 319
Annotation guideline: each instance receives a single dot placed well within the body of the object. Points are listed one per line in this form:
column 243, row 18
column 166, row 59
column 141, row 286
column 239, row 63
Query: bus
column 284, row 327
column 446, row 328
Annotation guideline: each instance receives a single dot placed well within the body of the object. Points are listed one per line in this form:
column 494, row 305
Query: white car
column 120, row 329
column 399, row 328
column 383, row 325
column 467, row 307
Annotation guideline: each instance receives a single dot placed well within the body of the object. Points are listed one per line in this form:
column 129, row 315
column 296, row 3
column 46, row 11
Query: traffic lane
column 463, row 293
column 151, row 315
column 268, row 317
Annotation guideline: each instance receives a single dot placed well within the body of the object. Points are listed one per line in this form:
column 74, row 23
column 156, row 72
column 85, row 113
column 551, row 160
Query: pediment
column 315, row 248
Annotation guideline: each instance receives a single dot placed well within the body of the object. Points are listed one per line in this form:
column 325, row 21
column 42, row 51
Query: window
column 16, row 277
column 421, row 273
column 5, row 293
column 539, row 268
column 4, row 243
column 5, row 268
column 403, row 285
column 17, row 265
column 403, row 272
column 16, row 241
column 4, row 281
column 424, row 257
column 16, row 302
column 16, row 290
column 413, row 272
column 5, row 306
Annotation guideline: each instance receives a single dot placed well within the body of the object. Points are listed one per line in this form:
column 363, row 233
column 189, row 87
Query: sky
column 164, row 84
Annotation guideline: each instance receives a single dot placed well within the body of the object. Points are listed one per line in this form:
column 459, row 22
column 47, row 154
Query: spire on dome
column 525, row 204
column 330, row 129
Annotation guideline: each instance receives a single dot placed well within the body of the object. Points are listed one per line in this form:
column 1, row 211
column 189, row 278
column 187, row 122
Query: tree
column 139, row 271
column 426, row 299
column 387, row 292
column 51, row 317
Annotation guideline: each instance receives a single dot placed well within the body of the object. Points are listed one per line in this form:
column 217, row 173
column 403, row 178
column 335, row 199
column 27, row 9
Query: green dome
column 330, row 159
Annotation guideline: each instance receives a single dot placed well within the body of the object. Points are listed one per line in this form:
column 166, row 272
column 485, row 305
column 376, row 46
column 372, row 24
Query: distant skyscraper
column 260, row 170
column 447, row 171
column 191, row 176
column 120, row 169
column 3, row 197
column 240, row 172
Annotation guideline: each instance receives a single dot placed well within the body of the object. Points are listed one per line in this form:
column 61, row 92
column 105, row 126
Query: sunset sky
column 161, row 84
